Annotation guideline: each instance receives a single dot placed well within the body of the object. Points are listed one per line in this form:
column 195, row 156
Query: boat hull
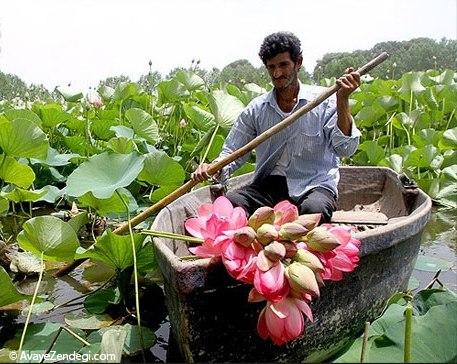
column 212, row 321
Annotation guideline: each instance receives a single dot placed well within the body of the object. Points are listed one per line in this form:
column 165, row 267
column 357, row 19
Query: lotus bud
column 266, row 234
column 309, row 259
column 302, row 279
column 244, row 236
column 292, row 231
column 321, row 240
column 275, row 251
column 291, row 248
column 263, row 263
column 263, row 215
column 309, row 221
column 257, row 246
column 285, row 212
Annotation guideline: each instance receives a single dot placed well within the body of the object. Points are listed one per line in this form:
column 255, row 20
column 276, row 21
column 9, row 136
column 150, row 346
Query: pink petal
column 194, row 225
column 205, row 210
column 222, row 207
column 304, row 307
column 262, row 325
column 238, row 218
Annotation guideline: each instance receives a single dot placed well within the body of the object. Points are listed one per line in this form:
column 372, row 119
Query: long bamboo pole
column 233, row 156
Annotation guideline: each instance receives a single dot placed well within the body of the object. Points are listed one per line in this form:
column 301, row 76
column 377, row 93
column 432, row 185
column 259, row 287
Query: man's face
column 283, row 71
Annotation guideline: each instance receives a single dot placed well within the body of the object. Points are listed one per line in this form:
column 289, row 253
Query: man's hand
column 201, row 173
column 348, row 83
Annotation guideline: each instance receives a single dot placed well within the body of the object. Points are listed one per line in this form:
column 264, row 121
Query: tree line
column 417, row 54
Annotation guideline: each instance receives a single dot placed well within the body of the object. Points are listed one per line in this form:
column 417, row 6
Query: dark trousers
column 273, row 189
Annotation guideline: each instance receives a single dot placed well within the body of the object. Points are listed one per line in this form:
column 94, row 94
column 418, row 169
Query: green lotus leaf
column 449, row 139
column 55, row 159
column 11, row 171
column 9, row 292
column 52, row 114
column 52, row 193
column 143, row 124
column 445, row 78
column 122, row 131
column 79, row 220
column 190, row 80
column 427, row 156
column 216, row 147
column 68, row 94
column 432, row 264
column 427, row 136
column 106, row 92
column 40, row 336
column 411, row 81
column 104, row 173
column 162, row 192
column 125, row 90
column 374, row 152
column 79, row 145
column 171, row 91
column 161, row 170
column 23, row 114
column 102, row 128
column 225, row 107
column 50, row 235
column 122, row 145
column 86, row 321
column 98, row 301
column 132, row 343
column 21, row 195
column 202, row 119
column 113, row 250
column 4, row 206
column 110, row 205
column 76, row 124
column 24, row 139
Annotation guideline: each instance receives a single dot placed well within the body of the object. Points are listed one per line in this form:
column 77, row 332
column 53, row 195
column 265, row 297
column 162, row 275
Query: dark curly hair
column 280, row 42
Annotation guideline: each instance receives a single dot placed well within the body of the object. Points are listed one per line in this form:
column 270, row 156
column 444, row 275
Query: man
column 300, row 163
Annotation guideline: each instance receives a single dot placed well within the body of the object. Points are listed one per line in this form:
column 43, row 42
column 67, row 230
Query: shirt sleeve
column 241, row 133
column 343, row 145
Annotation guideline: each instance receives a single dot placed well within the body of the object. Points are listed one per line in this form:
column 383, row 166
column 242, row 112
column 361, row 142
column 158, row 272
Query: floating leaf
column 86, row 321
column 9, row 292
column 98, row 301
column 50, row 235
column 413, row 283
column 104, row 173
column 39, row 308
column 113, row 341
column 431, row 264
column 112, row 249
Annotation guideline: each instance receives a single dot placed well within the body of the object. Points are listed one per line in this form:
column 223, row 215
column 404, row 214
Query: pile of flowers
column 284, row 255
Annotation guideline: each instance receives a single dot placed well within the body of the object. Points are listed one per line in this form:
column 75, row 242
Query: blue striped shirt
column 314, row 142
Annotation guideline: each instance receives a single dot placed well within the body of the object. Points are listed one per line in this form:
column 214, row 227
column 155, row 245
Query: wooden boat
column 210, row 317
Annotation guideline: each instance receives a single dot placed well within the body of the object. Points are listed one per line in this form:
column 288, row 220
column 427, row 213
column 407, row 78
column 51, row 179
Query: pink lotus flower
column 344, row 258
column 272, row 283
column 283, row 321
column 240, row 261
column 285, row 212
column 212, row 223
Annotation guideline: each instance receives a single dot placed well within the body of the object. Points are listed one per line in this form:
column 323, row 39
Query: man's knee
column 316, row 203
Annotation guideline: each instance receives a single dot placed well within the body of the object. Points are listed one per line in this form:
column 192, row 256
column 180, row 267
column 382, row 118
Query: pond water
column 439, row 241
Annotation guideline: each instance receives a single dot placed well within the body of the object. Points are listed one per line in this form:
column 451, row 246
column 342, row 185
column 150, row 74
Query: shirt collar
column 303, row 94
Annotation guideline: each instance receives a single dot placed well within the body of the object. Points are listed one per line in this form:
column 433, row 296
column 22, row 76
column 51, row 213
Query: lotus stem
column 408, row 333
column 450, row 118
column 210, row 143
column 135, row 275
column 29, row 313
column 75, row 335
column 363, row 354
column 165, row 234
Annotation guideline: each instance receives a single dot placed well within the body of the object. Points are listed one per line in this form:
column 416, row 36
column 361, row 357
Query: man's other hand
column 348, row 83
